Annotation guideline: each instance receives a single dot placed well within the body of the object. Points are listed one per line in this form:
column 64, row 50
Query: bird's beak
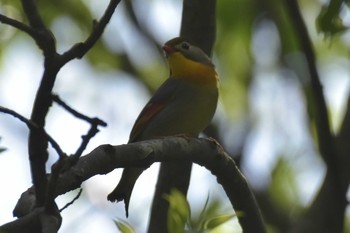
column 168, row 50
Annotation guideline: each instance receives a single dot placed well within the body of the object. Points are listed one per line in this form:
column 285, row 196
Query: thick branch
column 208, row 153
column 37, row 221
column 199, row 23
column 43, row 36
column 37, row 146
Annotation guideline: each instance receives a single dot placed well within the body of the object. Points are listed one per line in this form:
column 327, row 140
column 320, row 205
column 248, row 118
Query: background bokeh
column 262, row 118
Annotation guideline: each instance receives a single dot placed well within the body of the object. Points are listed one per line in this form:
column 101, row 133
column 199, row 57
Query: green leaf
column 123, row 226
column 329, row 21
column 217, row 221
column 179, row 211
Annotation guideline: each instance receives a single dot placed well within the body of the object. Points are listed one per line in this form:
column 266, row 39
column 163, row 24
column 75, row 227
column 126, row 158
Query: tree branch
column 38, row 139
column 33, row 126
column 37, row 145
column 204, row 152
column 77, row 114
column 333, row 188
column 36, row 221
column 199, row 23
column 43, row 36
column 80, row 49
column 53, row 62
column 325, row 137
column 72, row 201
column 19, row 25
column 95, row 122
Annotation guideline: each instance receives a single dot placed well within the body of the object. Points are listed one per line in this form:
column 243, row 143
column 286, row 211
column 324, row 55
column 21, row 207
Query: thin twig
column 32, row 126
column 19, row 25
column 80, row 49
column 95, row 122
column 77, row 114
column 86, row 139
column 72, row 201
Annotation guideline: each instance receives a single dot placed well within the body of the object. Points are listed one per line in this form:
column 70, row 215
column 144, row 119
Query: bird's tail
column 125, row 186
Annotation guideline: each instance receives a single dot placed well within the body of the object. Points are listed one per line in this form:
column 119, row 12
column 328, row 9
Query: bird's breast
column 195, row 72
column 188, row 112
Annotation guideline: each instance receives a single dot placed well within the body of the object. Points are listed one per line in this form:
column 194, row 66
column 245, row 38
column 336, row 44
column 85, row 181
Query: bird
column 183, row 105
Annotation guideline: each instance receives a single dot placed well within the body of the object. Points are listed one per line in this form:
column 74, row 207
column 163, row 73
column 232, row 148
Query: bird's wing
column 156, row 104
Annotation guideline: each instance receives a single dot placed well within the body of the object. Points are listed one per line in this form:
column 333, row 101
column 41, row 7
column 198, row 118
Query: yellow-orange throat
column 184, row 68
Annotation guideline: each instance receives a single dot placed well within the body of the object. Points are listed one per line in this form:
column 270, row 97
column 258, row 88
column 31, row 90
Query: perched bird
column 184, row 104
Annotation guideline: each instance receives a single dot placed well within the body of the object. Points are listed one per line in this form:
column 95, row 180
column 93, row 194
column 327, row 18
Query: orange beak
column 168, row 49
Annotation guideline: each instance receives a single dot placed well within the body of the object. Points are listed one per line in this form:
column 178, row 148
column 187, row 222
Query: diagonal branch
column 19, row 25
column 332, row 195
column 80, row 49
column 31, row 125
column 95, row 122
column 77, row 114
column 325, row 137
column 204, row 152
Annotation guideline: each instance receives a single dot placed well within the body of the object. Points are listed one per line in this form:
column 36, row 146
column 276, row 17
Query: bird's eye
column 185, row 45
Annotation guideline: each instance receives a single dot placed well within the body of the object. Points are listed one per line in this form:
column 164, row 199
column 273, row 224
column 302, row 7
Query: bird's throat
column 199, row 73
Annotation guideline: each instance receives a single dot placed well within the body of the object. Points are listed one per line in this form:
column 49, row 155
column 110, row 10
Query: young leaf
column 217, row 221
column 123, row 226
column 179, row 211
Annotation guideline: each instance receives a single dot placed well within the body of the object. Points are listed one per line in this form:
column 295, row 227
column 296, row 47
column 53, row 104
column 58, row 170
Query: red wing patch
column 148, row 112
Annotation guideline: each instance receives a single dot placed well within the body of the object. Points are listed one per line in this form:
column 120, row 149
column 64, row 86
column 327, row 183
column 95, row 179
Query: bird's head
column 187, row 61
column 189, row 51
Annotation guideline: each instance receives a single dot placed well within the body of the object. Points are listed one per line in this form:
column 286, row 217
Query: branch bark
column 53, row 62
column 198, row 23
column 205, row 152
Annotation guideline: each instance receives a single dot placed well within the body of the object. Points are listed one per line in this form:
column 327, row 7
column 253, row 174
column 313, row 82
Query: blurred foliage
column 180, row 215
column 179, row 211
column 283, row 187
column 255, row 41
column 329, row 20
column 207, row 221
